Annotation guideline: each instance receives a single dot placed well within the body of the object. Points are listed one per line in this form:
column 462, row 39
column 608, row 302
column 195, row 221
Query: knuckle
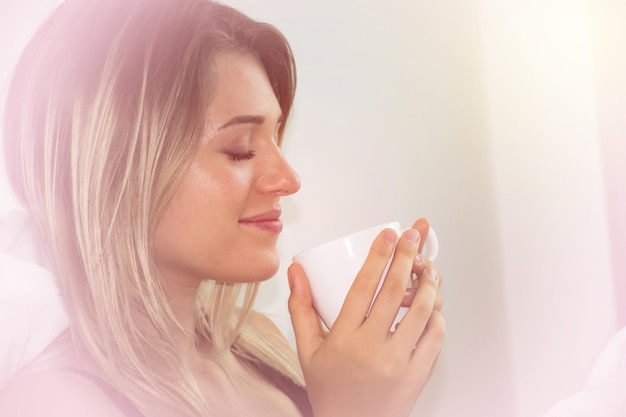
column 439, row 302
column 422, row 310
column 292, row 305
column 437, row 325
column 424, row 302
column 429, row 281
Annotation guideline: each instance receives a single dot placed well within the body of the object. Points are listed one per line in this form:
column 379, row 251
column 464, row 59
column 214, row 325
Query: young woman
column 143, row 138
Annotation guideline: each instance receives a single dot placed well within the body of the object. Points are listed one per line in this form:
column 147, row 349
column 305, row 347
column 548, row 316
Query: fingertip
column 298, row 285
column 294, row 302
column 390, row 236
column 422, row 223
column 432, row 274
column 412, row 235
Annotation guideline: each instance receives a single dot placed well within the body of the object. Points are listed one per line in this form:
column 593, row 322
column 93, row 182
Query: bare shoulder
column 55, row 393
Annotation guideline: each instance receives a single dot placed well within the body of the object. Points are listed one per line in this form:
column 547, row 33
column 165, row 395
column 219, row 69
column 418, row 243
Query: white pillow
column 31, row 309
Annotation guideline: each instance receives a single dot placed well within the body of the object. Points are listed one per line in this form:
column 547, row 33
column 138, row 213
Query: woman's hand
column 360, row 368
column 419, row 265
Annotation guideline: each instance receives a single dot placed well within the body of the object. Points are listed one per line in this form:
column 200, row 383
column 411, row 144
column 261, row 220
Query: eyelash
column 241, row 156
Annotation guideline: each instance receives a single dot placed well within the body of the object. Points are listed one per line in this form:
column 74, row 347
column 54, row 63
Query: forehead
column 241, row 86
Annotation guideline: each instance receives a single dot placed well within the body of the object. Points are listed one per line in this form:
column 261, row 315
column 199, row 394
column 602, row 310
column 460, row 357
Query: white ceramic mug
column 331, row 268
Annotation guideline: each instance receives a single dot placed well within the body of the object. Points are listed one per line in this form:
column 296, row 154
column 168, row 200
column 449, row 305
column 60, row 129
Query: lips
column 268, row 221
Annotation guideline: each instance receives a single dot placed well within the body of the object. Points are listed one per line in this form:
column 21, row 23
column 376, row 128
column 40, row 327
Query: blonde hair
column 105, row 111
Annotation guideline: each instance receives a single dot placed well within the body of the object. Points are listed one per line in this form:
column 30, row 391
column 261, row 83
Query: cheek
column 204, row 210
column 216, row 196
column 213, row 178
column 200, row 200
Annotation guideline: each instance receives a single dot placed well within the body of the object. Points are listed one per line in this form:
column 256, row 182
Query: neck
column 181, row 300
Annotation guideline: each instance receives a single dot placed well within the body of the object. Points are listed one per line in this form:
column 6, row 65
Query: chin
column 268, row 272
column 265, row 267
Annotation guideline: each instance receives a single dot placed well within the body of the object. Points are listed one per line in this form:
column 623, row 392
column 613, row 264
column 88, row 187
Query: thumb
column 304, row 318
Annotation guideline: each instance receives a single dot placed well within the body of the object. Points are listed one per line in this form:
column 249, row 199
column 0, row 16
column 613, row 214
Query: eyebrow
column 244, row 119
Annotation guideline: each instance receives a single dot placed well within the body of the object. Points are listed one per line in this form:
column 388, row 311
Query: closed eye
column 241, row 156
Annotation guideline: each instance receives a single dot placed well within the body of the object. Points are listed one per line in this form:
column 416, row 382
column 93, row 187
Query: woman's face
column 224, row 219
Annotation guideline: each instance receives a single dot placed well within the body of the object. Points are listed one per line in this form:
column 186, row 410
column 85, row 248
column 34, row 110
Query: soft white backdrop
column 502, row 122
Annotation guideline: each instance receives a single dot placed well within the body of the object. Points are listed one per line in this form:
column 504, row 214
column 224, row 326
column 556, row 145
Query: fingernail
column 411, row 235
column 418, row 259
column 390, row 236
column 432, row 274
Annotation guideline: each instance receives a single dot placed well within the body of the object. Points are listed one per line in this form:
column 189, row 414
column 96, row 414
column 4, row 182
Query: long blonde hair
column 105, row 111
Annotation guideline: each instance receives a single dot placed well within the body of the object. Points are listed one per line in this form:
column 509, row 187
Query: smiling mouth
column 269, row 221
column 273, row 226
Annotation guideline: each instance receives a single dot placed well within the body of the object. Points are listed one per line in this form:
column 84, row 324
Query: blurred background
column 502, row 122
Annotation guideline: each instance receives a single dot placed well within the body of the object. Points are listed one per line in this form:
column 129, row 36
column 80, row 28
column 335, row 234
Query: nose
column 279, row 177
